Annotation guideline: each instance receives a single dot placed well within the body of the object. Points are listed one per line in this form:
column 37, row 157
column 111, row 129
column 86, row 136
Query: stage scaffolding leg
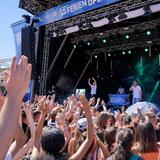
column 82, row 74
column 43, row 85
column 57, row 55
column 70, row 56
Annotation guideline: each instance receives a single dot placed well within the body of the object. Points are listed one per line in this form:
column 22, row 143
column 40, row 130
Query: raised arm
column 103, row 148
column 20, row 139
column 89, row 82
column 43, row 108
column 30, row 143
column 98, row 102
column 90, row 133
column 131, row 88
column 94, row 81
column 16, row 85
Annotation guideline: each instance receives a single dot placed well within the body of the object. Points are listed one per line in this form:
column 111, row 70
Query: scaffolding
column 43, row 77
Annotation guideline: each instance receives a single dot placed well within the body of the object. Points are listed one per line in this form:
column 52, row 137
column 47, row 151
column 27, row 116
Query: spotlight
column 60, row 31
column 88, row 43
column 80, row 26
column 27, row 18
column 147, row 11
column 34, row 21
column 129, row 52
column 127, row 36
column 104, row 40
column 109, row 55
column 96, row 56
column 148, row 33
column 111, row 18
column 146, row 49
column 122, row 15
column 74, row 46
column 88, row 25
column 123, row 53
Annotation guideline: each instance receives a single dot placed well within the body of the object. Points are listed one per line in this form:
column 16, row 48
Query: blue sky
column 9, row 13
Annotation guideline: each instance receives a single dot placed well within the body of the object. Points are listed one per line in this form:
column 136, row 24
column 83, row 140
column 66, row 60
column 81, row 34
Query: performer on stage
column 136, row 91
column 93, row 87
column 121, row 90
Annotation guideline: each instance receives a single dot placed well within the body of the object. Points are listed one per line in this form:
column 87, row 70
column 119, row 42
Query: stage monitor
column 119, row 99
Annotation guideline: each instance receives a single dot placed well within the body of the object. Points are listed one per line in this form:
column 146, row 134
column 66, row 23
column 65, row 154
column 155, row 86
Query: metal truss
column 99, row 14
column 37, row 6
column 121, row 45
column 45, row 59
column 140, row 27
column 137, row 32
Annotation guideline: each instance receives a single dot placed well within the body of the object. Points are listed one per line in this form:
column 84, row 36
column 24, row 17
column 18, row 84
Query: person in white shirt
column 121, row 90
column 93, row 86
column 136, row 91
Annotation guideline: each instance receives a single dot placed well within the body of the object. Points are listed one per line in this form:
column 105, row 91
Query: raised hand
column 16, row 84
column 83, row 103
column 43, row 105
column 28, row 111
column 18, row 81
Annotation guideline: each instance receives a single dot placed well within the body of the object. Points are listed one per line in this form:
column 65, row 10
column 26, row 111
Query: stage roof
column 36, row 6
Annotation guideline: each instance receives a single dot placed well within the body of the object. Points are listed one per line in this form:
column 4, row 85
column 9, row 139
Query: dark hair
column 135, row 80
column 145, row 136
column 52, row 140
column 124, row 140
column 36, row 113
column 111, row 116
column 110, row 137
column 127, row 120
column 101, row 121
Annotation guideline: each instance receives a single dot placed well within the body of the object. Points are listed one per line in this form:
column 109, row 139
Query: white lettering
column 63, row 11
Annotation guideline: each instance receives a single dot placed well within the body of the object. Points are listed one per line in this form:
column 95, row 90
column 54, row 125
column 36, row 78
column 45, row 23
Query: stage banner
column 69, row 9
column 17, row 27
column 28, row 95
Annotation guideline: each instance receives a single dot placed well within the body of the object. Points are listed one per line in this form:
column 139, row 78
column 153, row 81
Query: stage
column 112, row 45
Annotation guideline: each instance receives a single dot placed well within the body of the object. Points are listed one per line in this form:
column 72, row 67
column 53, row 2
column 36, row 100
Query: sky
column 9, row 13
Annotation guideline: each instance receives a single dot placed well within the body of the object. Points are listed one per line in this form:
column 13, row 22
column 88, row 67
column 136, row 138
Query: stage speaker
column 28, row 47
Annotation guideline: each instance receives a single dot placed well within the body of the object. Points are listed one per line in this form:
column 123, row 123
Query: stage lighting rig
column 34, row 21
column 60, row 31
column 111, row 18
column 122, row 15
column 27, row 18
column 147, row 11
column 88, row 24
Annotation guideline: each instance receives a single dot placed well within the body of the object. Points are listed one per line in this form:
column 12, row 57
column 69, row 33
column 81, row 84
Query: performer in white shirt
column 93, row 87
column 137, row 92
column 121, row 90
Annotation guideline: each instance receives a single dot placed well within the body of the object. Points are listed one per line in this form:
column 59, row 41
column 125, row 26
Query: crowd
column 78, row 129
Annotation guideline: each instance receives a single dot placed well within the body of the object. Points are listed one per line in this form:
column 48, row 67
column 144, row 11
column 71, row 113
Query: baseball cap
column 82, row 124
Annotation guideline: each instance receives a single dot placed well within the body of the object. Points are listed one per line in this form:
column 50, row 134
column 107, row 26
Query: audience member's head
column 102, row 120
column 109, row 138
column 52, row 140
column 36, row 115
column 145, row 138
column 151, row 117
column 124, row 141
